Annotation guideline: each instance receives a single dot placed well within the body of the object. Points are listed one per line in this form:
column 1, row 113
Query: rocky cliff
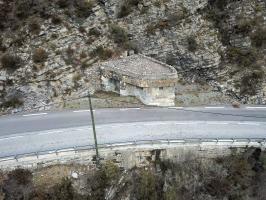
column 50, row 50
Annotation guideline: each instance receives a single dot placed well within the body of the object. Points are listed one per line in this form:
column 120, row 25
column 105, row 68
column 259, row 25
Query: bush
column 251, row 83
column 18, row 184
column 94, row 31
column 259, row 38
column 119, row 35
column 34, row 26
column 63, row 3
column 39, row 55
column 102, row 53
column 23, row 8
column 83, row 8
column 13, row 102
column 11, row 62
column 171, row 59
column 192, row 44
column 243, row 26
column 21, row 176
column 56, row 19
column 242, row 57
column 127, row 8
column 63, row 191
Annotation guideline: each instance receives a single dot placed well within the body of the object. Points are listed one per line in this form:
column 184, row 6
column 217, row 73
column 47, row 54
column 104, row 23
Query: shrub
column 150, row 29
column 119, row 35
column 18, row 184
column 56, row 19
column 145, row 186
column 63, row 3
column 11, row 62
column 171, row 59
column 192, row 43
column 83, row 8
column 251, row 83
column 82, row 30
column 259, row 38
column 63, row 191
column 127, row 8
column 102, row 53
column 95, row 32
column 13, row 102
column 23, row 8
column 21, row 176
column 39, row 55
column 34, row 26
column 242, row 57
column 111, row 170
column 244, row 26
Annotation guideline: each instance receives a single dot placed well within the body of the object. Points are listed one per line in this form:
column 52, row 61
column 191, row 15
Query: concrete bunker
column 151, row 81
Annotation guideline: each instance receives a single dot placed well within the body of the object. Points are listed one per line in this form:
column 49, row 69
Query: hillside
column 50, row 49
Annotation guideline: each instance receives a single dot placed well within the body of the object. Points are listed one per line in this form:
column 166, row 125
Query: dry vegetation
column 235, row 177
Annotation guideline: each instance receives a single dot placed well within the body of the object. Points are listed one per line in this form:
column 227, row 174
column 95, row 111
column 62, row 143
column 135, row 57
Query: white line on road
column 182, row 123
column 14, row 137
column 81, row 111
column 36, row 114
column 213, row 107
column 50, row 132
column 125, row 109
column 255, row 107
column 248, row 123
column 217, row 123
column 175, row 107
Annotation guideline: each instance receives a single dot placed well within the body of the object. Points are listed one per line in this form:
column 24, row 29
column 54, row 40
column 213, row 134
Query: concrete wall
column 164, row 96
column 128, row 156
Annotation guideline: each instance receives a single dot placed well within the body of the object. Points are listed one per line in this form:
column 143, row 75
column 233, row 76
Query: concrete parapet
column 131, row 154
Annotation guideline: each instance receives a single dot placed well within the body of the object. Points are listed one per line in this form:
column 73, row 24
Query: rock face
column 54, row 48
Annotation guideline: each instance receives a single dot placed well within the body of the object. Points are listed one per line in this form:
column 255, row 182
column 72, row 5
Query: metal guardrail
column 260, row 142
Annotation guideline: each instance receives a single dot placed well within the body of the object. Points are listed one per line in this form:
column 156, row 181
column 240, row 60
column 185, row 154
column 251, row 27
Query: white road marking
column 125, row 109
column 248, row 123
column 36, row 114
column 182, row 123
column 255, row 107
column 217, row 123
column 50, row 132
column 175, row 107
column 213, row 107
column 14, row 137
column 81, row 111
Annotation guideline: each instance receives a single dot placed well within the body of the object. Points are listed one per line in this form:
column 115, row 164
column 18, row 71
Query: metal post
column 94, row 131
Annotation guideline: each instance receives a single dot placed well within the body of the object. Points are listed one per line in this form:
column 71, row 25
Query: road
column 32, row 132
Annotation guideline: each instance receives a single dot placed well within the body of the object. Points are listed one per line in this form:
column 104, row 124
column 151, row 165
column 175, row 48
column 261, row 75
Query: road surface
column 33, row 132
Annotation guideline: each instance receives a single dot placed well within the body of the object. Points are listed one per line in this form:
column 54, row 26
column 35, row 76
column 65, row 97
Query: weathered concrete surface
column 129, row 156
column 149, row 80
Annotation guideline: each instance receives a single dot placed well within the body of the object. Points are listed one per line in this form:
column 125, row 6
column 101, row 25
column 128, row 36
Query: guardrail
column 241, row 142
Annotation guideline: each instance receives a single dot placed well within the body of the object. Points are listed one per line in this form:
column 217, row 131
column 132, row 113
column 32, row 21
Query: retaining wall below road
column 130, row 154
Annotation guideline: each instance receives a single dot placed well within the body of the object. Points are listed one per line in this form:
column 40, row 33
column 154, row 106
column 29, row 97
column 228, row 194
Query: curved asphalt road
column 24, row 133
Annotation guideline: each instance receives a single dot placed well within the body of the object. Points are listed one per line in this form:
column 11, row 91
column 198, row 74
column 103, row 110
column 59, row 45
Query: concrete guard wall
column 128, row 156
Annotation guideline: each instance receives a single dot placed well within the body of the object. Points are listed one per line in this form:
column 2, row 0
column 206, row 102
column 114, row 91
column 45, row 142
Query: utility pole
column 94, row 131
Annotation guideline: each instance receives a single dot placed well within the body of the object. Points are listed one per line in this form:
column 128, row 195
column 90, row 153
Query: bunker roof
column 141, row 67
